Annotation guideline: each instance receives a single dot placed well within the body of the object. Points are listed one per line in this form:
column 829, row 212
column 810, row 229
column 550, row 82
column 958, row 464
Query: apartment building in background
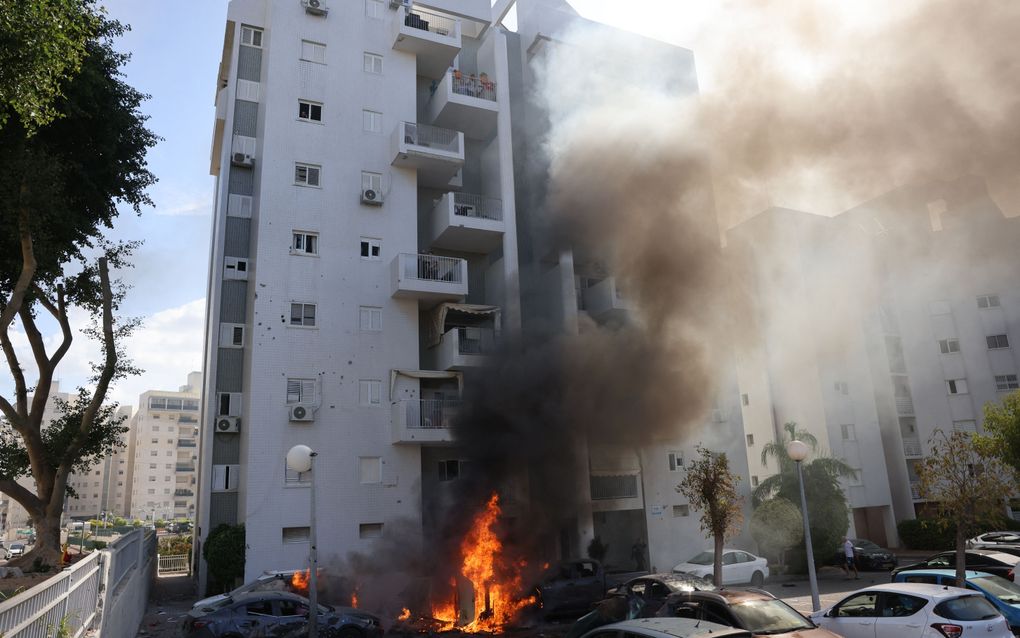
column 875, row 327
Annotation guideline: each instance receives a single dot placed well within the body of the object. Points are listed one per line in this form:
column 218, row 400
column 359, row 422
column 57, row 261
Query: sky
column 175, row 49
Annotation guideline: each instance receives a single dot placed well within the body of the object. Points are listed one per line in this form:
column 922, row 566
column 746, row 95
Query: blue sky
column 175, row 48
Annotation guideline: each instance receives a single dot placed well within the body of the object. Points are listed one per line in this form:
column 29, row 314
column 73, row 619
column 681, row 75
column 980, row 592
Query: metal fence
column 480, row 87
column 433, row 268
column 431, row 413
column 431, row 137
column 173, row 564
column 467, row 205
column 432, row 22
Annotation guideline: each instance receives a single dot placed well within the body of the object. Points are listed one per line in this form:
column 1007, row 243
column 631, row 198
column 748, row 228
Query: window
column 154, row 453
column 371, row 249
column 373, row 63
column 300, row 390
column 681, row 510
column 155, row 428
column 302, row 314
column 369, row 392
column 859, row 606
column 374, row 8
column 897, row 605
column 313, row 51
column 228, row 403
column 155, row 441
column 613, row 486
column 997, row 342
column 296, row 534
column 956, row 386
column 370, row 530
column 306, row 174
column 848, row 432
column 309, row 111
column 744, row 399
column 370, row 319
column 988, row 301
column 947, row 346
column 449, row 470
column 152, row 479
column 842, row 387
column 304, row 243
column 231, row 335
column 371, row 181
column 290, row 477
column 1005, row 382
column 371, row 121
column 750, row 440
column 676, row 461
column 855, row 480
column 370, row 469
column 965, row 426
column 251, row 36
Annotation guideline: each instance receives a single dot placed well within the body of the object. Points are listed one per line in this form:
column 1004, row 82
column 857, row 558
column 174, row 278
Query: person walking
column 849, row 562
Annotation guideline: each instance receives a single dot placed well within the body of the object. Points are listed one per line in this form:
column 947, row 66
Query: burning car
column 276, row 614
column 281, row 581
column 572, row 586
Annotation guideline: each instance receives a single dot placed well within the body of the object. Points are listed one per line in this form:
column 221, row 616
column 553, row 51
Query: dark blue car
column 1002, row 593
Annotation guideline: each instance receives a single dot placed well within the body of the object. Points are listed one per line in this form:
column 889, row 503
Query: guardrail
column 429, row 136
column 174, row 564
column 431, row 413
column 433, row 268
column 468, row 205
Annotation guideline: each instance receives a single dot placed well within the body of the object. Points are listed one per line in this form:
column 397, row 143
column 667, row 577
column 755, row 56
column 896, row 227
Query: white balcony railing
column 430, row 414
column 431, row 22
column 911, row 446
column 432, row 137
column 433, row 268
column 481, row 87
column 478, row 207
column 904, row 405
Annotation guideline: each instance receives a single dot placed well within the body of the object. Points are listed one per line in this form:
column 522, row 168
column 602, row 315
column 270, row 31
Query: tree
column 42, row 44
column 224, row 553
column 968, row 486
column 711, row 488
column 1002, row 425
column 828, row 510
column 59, row 190
column 777, row 525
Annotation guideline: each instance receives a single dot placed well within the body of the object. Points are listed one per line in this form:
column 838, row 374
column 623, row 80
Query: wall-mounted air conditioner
column 228, row 424
column 242, row 159
column 372, row 197
column 301, row 412
column 315, row 7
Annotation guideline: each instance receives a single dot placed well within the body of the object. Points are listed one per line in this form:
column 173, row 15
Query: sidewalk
column 169, row 601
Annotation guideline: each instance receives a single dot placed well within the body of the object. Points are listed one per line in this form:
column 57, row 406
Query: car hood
column 692, row 568
column 817, row 632
column 211, row 600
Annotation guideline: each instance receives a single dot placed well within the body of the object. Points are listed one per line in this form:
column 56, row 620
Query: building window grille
column 1004, row 382
column 614, row 486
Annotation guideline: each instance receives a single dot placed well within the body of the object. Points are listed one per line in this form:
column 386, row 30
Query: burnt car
column 869, row 556
column 639, row 597
column 276, row 614
column 754, row 610
column 572, row 586
column 274, row 580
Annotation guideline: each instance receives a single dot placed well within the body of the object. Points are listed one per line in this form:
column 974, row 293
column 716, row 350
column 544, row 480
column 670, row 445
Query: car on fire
column 276, row 613
column 269, row 581
column 571, row 586
column 667, row 628
column 738, row 567
column 755, row 610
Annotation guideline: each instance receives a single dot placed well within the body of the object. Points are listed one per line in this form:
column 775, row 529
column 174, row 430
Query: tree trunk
column 47, row 542
column 717, row 561
column 961, row 557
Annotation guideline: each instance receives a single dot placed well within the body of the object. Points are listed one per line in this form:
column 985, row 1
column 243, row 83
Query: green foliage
column 224, row 553
column 42, row 44
column 927, row 534
column 597, row 550
column 777, row 525
column 159, row 524
column 711, row 488
column 137, row 522
column 174, row 545
column 1002, row 427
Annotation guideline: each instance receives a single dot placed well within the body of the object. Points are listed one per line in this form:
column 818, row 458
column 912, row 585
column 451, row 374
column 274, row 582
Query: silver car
column 276, row 614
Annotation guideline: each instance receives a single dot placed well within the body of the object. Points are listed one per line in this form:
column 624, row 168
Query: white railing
column 467, row 205
column 173, row 564
column 431, row 413
column 904, row 405
column 911, row 446
column 432, row 22
column 480, row 87
column 433, row 268
column 431, row 137
column 475, row 340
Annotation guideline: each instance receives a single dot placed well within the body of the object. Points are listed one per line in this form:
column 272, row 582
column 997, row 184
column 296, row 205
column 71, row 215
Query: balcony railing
column 904, row 406
column 431, row 413
column 476, row 206
column 433, row 268
column 431, row 137
column 432, row 22
column 911, row 446
column 185, row 443
column 480, row 87
column 475, row 340
column 185, row 467
column 184, row 493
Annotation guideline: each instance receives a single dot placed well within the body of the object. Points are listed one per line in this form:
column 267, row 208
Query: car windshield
column 704, row 558
column 867, row 545
column 1006, row 591
column 1007, row 559
column 769, row 617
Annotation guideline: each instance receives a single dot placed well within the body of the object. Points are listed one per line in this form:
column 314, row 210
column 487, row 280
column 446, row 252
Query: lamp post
column 798, row 451
column 300, row 458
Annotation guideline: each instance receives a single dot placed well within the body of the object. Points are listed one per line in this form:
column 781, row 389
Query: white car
column 991, row 539
column 737, row 567
column 913, row 610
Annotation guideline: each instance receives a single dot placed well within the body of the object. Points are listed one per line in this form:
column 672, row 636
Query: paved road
column 832, row 587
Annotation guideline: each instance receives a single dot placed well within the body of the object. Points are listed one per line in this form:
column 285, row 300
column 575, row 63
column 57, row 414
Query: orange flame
column 405, row 614
column 299, row 581
column 354, row 599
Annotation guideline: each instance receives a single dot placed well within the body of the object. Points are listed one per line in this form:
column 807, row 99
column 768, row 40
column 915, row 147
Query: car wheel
column 758, row 579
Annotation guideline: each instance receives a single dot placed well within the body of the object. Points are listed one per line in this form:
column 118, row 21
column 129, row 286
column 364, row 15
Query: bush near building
column 928, row 534
column 174, row 545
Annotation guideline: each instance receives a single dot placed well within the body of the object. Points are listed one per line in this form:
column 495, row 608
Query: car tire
column 757, row 579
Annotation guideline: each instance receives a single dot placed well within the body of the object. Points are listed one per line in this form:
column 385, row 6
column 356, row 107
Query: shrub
column 224, row 554
column 175, row 545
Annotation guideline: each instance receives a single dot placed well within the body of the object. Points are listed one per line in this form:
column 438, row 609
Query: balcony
column 436, row 153
column 433, row 38
column 186, row 443
column 185, row 467
column 911, row 446
column 904, row 406
column 463, row 348
column 468, row 223
column 604, row 302
column 915, row 490
column 181, row 492
column 432, row 278
column 466, row 103
column 424, row 421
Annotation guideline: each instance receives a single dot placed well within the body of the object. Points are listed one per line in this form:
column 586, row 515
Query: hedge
column 927, row 534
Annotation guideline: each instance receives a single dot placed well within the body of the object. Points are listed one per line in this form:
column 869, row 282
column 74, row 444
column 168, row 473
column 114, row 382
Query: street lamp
column 300, row 458
column 798, row 451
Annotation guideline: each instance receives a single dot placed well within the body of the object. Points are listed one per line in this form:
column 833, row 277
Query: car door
column 590, row 588
column 655, row 595
column 854, row 617
column 290, row 616
column 255, row 617
column 730, row 569
column 900, row 616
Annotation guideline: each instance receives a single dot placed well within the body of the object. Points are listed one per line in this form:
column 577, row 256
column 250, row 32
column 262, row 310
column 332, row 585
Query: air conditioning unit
column 302, row 412
column 242, row 159
column 372, row 197
column 315, row 7
column 396, row 4
column 228, row 424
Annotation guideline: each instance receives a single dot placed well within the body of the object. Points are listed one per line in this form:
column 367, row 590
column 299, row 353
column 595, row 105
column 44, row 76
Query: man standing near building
column 849, row 563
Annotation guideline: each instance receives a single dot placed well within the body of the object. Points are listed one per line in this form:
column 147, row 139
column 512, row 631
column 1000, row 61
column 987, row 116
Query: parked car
column 268, row 581
column 16, row 549
column 869, row 556
column 639, row 597
column 994, row 538
column 1003, row 594
column 667, row 628
column 276, row 614
column 737, row 567
column 572, row 586
column 913, row 610
column 755, row 610
column 982, row 560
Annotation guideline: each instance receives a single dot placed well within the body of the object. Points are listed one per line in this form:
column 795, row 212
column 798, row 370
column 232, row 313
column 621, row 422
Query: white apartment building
column 875, row 327
column 162, row 455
